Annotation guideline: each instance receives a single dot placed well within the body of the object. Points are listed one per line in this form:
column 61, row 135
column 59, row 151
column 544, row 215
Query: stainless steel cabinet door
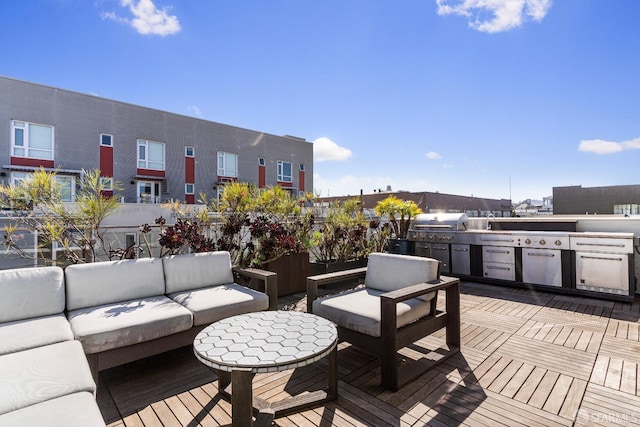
column 542, row 267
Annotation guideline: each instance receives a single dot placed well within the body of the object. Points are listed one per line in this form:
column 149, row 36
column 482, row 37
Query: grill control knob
column 558, row 243
column 528, row 241
column 543, row 242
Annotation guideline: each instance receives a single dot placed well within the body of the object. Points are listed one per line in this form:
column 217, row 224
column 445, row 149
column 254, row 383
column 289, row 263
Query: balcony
column 528, row 358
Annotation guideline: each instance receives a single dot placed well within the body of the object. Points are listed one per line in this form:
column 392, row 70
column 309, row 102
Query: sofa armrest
column 269, row 278
column 313, row 282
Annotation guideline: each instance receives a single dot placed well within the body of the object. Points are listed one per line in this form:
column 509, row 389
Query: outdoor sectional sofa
column 59, row 329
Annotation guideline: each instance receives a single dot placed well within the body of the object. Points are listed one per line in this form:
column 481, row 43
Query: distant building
column 153, row 154
column 437, row 202
column 576, row 200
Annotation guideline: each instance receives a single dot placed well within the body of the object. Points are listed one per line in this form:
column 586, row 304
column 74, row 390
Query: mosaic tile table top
column 266, row 341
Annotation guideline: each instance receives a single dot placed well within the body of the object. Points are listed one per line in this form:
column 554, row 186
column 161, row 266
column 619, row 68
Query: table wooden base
column 237, row 386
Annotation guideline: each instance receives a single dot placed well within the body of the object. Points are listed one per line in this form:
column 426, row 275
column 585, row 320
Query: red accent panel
column 107, row 193
column 301, row 180
column 36, row 163
column 285, row 184
column 150, row 172
column 189, row 170
column 227, row 179
column 262, row 176
column 190, row 199
column 106, row 161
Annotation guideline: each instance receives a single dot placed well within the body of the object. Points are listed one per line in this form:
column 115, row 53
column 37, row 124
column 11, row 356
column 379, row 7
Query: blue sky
column 492, row 98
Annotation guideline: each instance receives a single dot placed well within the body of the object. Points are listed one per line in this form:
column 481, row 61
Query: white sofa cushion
column 31, row 292
column 218, row 302
column 30, row 333
column 72, row 410
column 108, row 282
column 43, row 373
column 193, row 271
column 389, row 272
column 359, row 310
column 130, row 322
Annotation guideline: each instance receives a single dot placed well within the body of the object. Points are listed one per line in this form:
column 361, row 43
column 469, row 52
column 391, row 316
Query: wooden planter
column 292, row 273
column 316, row 268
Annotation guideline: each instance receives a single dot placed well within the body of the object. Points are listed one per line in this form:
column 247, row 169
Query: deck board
column 527, row 358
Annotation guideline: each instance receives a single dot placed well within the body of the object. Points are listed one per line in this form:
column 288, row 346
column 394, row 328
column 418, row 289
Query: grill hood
column 440, row 221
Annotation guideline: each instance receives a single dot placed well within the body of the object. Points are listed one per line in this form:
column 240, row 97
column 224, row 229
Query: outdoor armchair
column 396, row 307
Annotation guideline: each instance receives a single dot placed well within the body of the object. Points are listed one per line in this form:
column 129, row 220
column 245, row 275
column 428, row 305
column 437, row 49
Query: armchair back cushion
column 389, row 272
column 108, row 282
column 194, row 271
column 31, row 292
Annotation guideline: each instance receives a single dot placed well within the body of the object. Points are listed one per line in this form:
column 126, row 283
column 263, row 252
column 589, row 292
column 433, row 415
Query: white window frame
column 189, row 189
column 153, row 196
column 186, row 152
column 142, row 155
column 19, row 176
column 110, row 144
column 281, row 172
column 261, row 161
column 224, row 168
column 28, row 151
column 107, row 183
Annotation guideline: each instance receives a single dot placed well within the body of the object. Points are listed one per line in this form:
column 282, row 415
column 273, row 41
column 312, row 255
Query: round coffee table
column 241, row 346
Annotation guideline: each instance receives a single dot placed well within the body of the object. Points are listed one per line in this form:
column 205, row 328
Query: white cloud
column 325, row 149
column 504, row 14
column 600, row 146
column 195, row 110
column 433, row 155
column 147, row 18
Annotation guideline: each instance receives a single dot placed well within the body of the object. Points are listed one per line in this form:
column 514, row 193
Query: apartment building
column 152, row 155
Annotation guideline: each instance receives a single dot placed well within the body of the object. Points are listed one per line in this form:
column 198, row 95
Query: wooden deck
column 528, row 358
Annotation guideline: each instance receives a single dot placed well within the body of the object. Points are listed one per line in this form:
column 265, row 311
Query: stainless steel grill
column 440, row 222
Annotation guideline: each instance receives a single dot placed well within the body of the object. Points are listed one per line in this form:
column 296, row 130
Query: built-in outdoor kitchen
column 587, row 255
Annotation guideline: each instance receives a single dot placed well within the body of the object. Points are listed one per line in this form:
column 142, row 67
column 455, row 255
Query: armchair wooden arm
column 314, row 282
column 269, row 278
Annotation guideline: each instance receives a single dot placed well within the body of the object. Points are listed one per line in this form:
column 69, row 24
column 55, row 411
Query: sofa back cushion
column 100, row 283
column 193, row 271
column 388, row 272
column 31, row 292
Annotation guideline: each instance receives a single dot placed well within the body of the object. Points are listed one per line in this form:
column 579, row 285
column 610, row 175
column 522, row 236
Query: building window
column 301, row 167
column 107, row 183
column 227, row 164
column 31, row 140
column 189, row 152
column 261, row 161
column 66, row 184
column 148, row 192
column 189, row 189
column 284, row 171
column 150, row 155
column 106, row 140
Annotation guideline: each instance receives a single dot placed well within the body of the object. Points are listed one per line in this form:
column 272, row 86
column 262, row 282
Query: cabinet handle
column 600, row 257
column 492, row 267
column 495, row 251
column 611, row 245
column 546, row 255
column 496, row 240
column 461, row 250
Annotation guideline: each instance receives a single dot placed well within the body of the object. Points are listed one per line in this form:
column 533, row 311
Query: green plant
column 399, row 213
column 345, row 234
column 37, row 205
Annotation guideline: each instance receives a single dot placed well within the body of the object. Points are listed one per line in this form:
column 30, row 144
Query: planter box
column 292, row 273
column 316, row 268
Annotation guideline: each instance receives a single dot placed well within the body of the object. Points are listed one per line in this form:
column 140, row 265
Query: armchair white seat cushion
column 359, row 310
column 22, row 335
column 221, row 301
column 43, row 373
column 130, row 322
column 72, row 410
